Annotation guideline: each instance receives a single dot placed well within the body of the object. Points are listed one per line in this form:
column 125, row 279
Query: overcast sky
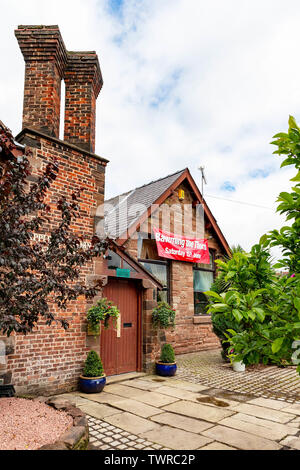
column 186, row 83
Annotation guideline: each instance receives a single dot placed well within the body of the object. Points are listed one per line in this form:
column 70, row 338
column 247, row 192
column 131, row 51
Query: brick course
column 83, row 84
column 50, row 359
column 45, row 61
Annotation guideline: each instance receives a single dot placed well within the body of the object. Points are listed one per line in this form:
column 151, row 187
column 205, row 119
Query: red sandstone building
column 50, row 359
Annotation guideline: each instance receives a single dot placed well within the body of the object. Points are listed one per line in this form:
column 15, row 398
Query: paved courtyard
column 208, row 368
column 155, row 413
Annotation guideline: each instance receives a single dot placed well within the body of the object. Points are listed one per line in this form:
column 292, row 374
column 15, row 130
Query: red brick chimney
column 83, row 81
column 45, row 58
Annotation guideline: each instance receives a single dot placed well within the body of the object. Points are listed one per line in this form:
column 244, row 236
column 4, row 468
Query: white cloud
column 185, row 83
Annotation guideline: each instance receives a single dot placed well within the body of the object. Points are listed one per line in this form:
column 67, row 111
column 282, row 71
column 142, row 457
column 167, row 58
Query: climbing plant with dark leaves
column 37, row 275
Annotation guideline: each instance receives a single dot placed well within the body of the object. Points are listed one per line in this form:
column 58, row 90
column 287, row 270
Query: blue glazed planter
column 166, row 370
column 92, row 384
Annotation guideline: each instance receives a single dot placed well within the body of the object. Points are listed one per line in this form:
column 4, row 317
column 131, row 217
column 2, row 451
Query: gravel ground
column 28, row 425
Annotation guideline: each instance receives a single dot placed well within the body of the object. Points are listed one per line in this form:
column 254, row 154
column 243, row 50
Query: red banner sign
column 194, row 250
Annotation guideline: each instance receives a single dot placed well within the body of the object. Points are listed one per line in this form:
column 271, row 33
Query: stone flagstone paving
column 206, row 406
column 184, row 415
column 208, row 368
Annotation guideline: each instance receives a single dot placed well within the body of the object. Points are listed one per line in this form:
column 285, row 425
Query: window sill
column 202, row 319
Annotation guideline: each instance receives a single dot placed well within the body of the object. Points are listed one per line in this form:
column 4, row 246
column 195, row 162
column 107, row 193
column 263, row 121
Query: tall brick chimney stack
column 83, row 81
column 47, row 63
column 45, row 57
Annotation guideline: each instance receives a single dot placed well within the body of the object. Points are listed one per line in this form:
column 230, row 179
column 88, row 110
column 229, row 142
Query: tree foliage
column 237, row 249
column 265, row 305
column 36, row 275
column 288, row 237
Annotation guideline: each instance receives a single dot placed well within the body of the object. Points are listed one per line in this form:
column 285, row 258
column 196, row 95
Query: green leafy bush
column 241, row 272
column 167, row 355
column 163, row 315
column 220, row 285
column 221, row 323
column 268, row 320
column 245, row 271
column 93, row 365
column 102, row 311
column 266, row 304
column 287, row 238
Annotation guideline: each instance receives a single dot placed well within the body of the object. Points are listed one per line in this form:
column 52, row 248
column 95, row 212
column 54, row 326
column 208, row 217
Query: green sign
column 123, row 272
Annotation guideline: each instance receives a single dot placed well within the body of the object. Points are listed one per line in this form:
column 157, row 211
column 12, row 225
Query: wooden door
column 120, row 354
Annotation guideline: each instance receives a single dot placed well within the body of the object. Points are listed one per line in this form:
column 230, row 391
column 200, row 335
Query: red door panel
column 120, row 355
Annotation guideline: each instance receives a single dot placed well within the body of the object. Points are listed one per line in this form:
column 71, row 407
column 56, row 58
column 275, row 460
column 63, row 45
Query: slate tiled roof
column 118, row 218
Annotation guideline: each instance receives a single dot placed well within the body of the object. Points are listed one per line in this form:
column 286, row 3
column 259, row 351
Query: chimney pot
column 83, row 80
column 45, row 58
column 47, row 62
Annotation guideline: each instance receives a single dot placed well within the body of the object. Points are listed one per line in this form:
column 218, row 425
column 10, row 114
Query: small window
column 207, row 266
column 113, row 260
column 161, row 272
column 200, row 303
column 128, row 266
column 157, row 270
column 203, row 280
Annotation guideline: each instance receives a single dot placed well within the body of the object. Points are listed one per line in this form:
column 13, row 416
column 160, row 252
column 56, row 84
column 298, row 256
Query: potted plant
column 236, row 361
column 93, row 378
column 166, row 366
column 103, row 310
column 163, row 316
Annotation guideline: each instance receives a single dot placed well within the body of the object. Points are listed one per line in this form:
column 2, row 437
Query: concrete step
column 113, row 379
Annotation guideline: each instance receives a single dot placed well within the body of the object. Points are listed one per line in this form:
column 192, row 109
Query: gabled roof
column 145, row 195
column 120, row 250
column 149, row 196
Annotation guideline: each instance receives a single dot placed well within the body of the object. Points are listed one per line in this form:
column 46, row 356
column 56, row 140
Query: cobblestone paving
column 103, row 436
column 208, row 368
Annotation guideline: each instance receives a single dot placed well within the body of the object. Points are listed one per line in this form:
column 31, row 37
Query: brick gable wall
column 50, row 359
column 192, row 333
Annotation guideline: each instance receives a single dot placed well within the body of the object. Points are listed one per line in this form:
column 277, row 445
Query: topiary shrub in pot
column 93, row 378
column 166, row 366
